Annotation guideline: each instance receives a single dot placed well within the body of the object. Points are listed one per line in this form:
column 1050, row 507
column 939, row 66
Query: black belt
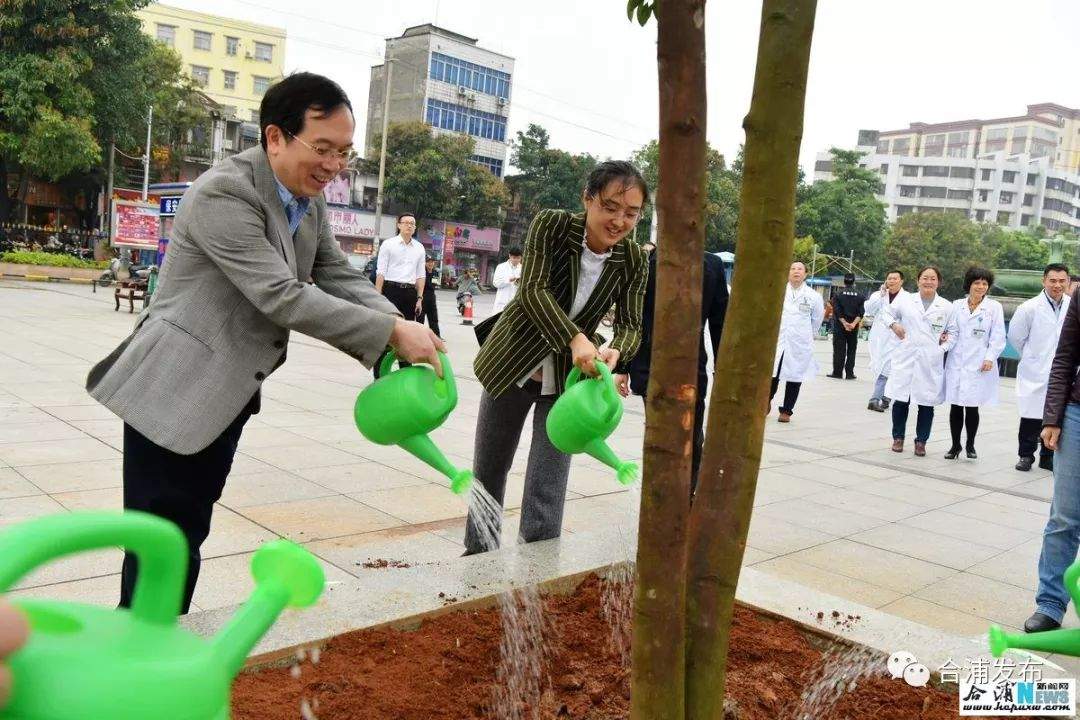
column 401, row 284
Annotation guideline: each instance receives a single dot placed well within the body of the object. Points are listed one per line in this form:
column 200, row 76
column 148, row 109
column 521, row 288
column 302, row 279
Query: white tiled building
column 446, row 80
column 1018, row 172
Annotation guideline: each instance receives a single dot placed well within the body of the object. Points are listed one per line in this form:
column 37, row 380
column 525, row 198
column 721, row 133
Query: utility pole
column 99, row 253
column 382, row 157
column 146, row 155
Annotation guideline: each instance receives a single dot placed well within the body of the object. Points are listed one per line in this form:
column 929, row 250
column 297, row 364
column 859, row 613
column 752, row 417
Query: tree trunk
column 721, row 514
column 5, row 199
column 658, row 679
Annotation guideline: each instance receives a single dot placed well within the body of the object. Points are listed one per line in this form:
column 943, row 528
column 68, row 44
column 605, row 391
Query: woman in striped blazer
column 576, row 266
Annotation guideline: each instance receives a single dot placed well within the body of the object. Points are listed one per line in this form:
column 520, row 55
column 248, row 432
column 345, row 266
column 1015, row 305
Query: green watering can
column 587, row 413
column 402, row 406
column 84, row 662
column 1066, row 642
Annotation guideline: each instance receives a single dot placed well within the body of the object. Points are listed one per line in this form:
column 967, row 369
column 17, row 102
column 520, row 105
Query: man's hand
column 898, row 329
column 419, row 306
column 611, row 357
column 987, row 366
column 583, row 353
column 416, row 343
column 13, row 632
column 622, row 384
column 1049, row 436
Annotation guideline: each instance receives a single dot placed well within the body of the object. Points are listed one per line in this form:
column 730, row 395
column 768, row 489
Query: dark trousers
column 430, row 314
column 402, row 297
column 699, row 430
column 961, row 417
column 791, row 391
column 923, row 422
column 844, row 343
column 180, row 488
column 1028, row 438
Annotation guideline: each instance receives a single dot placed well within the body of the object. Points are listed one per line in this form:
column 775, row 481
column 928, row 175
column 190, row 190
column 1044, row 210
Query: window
column 884, row 168
column 202, row 40
column 260, row 84
column 909, row 170
column 883, row 147
column 255, row 116
column 1025, row 220
column 232, row 45
column 908, row 191
column 459, row 118
column 1029, row 200
column 959, row 195
column 934, row 145
column 935, row 171
column 901, row 146
column 493, row 164
column 1032, row 179
column 264, row 52
column 902, row 210
column 479, row 78
column 823, row 166
column 166, row 34
column 987, row 174
column 1006, row 197
column 1004, row 218
column 980, row 215
column 1008, row 177
column 984, row 196
column 201, row 75
column 1019, row 140
column 995, row 139
column 957, row 144
column 962, row 172
column 932, row 192
column 228, row 111
column 230, row 79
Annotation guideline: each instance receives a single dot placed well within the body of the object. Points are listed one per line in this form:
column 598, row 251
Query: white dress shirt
column 401, row 262
column 505, row 290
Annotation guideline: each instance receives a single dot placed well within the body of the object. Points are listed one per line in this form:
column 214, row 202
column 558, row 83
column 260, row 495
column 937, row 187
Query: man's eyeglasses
column 346, row 158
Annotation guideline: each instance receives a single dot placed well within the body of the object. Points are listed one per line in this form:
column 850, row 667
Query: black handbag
column 484, row 328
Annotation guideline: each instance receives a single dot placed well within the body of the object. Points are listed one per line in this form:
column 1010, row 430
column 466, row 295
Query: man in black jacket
column 714, row 299
column 848, row 309
column 429, row 310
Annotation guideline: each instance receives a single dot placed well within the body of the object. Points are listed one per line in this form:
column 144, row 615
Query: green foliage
column 642, row 10
column 547, row 178
column 1015, row 249
column 51, row 259
column 431, row 175
column 951, row 242
column 804, row 250
column 844, row 215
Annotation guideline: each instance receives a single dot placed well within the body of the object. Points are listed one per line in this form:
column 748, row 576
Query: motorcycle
column 465, row 294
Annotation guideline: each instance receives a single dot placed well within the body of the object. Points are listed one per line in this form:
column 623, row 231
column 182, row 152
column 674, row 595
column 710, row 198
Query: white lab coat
column 802, row 315
column 980, row 336
column 505, row 290
column 1034, row 331
column 883, row 341
column 918, row 372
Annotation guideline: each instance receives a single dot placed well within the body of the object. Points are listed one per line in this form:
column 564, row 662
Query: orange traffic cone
column 466, row 315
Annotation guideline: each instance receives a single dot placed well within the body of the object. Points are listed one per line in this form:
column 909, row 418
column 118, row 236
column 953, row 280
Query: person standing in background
column 1034, row 331
column 883, row 341
column 506, row 279
column 400, row 275
column 800, row 320
column 429, row 311
column 848, row 307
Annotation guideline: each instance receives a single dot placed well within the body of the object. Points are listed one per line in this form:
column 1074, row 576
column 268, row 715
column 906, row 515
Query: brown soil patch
column 445, row 669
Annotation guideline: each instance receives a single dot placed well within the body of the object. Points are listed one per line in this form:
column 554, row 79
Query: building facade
column 233, row 61
column 445, row 80
column 1018, row 172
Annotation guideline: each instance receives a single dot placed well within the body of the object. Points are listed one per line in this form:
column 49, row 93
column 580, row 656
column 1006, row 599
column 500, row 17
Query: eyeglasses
column 345, row 158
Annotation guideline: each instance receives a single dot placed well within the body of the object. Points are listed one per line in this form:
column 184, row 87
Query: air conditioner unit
column 501, row 101
column 461, row 89
column 249, row 56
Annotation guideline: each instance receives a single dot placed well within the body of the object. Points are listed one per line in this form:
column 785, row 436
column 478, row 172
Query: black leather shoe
column 850, row 377
column 876, row 406
column 1047, row 463
column 953, row 453
column 886, row 403
column 972, row 455
column 834, row 376
column 1040, row 623
column 1025, row 464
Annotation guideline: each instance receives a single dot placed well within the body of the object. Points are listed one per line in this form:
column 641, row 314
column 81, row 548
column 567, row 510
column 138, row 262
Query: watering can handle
column 159, row 545
column 601, row 368
column 448, row 372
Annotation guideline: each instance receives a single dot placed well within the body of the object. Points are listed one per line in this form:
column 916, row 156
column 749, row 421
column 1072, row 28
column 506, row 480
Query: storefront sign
column 470, row 237
column 351, row 222
column 168, row 205
column 135, row 224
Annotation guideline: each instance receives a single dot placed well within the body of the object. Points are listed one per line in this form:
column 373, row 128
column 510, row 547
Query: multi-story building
column 1018, row 172
column 233, row 61
column 446, row 80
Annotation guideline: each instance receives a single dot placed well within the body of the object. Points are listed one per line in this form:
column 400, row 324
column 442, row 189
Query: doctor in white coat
column 1034, row 331
column 506, row 278
column 971, row 374
column 799, row 323
column 920, row 321
column 883, row 341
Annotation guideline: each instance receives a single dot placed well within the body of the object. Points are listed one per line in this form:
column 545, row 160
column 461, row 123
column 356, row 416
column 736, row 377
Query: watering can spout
column 626, row 472
column 1066, row 642
column 420, row 446
column 285, row 575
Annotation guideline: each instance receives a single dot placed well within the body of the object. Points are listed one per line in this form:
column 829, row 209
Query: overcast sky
column 589, row 76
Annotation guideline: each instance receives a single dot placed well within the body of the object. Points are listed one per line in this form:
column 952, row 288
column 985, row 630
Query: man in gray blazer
column 249, row 235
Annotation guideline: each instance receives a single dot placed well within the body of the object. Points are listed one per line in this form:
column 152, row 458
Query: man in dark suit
column 714, row 299
column 429, row 311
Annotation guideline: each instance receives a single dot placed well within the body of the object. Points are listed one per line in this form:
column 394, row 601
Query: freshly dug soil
column 445, row 670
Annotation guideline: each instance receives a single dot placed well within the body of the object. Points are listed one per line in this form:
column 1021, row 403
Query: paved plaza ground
column 950, row 544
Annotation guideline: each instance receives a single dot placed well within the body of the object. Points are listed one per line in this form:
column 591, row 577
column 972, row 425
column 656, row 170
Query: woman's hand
column 622, row 384
column 898, row 329
column 611, row 357
column 584, row 354
column 987, row 366
column 13, row 632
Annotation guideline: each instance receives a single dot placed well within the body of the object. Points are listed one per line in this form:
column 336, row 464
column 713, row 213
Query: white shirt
column 399, row 262
column 592, row 264
column 505, row 290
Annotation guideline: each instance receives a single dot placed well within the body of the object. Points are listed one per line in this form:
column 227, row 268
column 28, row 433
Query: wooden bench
column 132, row 290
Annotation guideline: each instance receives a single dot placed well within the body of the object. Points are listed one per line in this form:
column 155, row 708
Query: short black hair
column 404, row 215
column 937, row 271
column 849, row 279
column 977, row 273
column 286, row 103
column 1055, row 267
column 514, row 250
column 898, row 272
column 615, row 170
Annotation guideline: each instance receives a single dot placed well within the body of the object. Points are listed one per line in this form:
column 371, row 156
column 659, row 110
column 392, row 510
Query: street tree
column 547, row 177
column 1014, row 249
column 949, row 241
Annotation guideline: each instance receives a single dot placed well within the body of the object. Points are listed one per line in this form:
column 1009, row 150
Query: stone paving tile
column 103, row 590
column 866, row 504
column 830, row 582
column 942, row 617
column 95, row 563
column 1018, row 566
column 15, row 510
column 883, row 568
column 820, row 517
column 925, row 545
column 23, row 415
column 967, row 528
column 412, row 545
column 976, row 595
column 779, row 537
column 232, row 533
column 1015, row 517
column 56, row 451
column 303, row 454
column 359, row 477
column 261, row 488
column 318, row 519
column 38, row 431
column 74, row 476
column 1012, row 502
column 224, row 580
column 13, row 485
column 416, row 504
column 73, row 413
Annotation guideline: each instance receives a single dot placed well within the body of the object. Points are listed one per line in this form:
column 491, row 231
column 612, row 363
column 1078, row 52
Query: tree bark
column 658, row 678
column 721, row 514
